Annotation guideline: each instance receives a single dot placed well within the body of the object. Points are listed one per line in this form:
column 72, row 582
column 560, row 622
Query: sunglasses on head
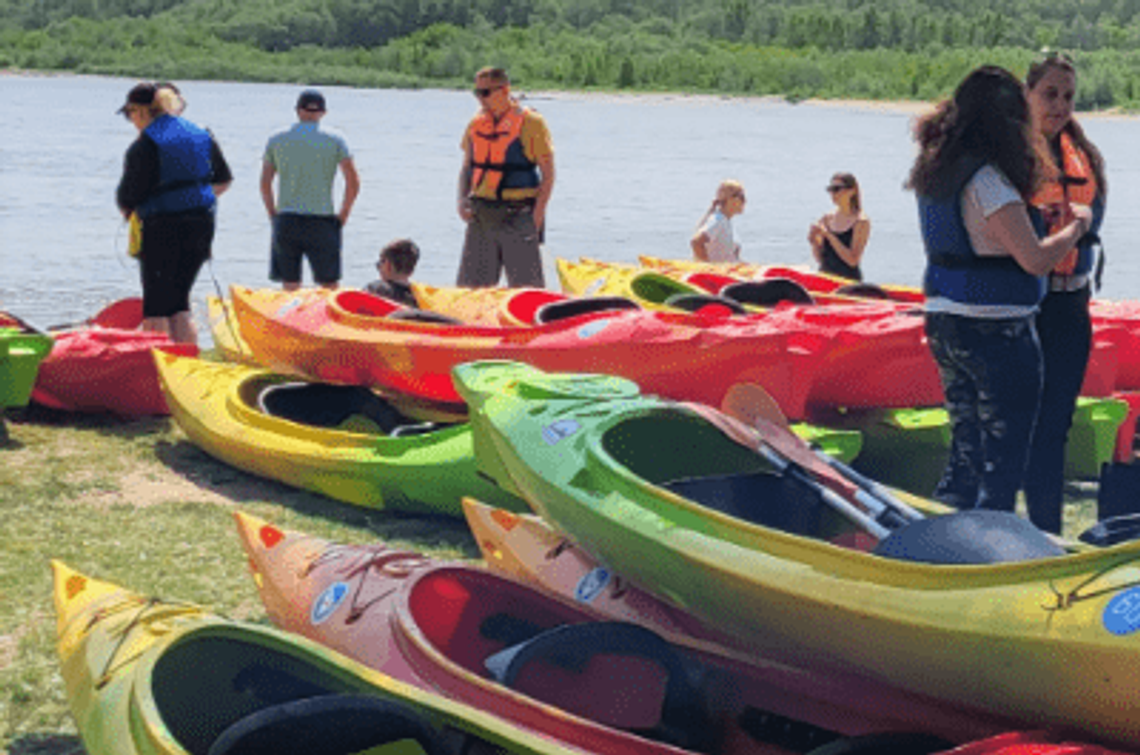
column 482, row 92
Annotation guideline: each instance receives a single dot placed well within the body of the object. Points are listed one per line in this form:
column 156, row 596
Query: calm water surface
column 634, row 176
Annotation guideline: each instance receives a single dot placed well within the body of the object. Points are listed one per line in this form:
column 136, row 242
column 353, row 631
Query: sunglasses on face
column 834, row 189
column 484, row 92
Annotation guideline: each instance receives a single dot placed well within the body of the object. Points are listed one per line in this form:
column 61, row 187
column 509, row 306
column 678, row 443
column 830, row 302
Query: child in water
column 713, row 240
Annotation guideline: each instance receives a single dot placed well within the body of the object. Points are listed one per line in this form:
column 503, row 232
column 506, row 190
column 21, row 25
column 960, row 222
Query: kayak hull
column 148, row 677
column 1043, row 641
column 217, row 406
column 434, row 623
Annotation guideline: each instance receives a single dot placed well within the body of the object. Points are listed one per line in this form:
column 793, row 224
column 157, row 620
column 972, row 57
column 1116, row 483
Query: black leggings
column 1065, row 331
column 174, row 248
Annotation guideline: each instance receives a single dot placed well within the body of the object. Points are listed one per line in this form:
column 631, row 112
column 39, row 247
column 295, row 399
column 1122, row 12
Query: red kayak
column 105, row 365
column 567, row 672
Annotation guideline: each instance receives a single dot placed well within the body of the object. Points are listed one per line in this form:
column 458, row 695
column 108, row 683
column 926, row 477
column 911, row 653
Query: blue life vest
column 954, row 270
column 184, row 167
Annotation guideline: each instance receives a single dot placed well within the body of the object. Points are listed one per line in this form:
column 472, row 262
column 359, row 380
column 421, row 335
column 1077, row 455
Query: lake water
column 634, row 175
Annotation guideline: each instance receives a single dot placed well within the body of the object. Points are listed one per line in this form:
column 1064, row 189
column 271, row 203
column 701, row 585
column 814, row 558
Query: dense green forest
column 880, row 49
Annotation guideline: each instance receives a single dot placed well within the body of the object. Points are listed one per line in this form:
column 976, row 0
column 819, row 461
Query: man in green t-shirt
column 305, row 160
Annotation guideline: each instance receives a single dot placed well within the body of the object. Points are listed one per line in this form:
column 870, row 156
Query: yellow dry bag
column 134, row 234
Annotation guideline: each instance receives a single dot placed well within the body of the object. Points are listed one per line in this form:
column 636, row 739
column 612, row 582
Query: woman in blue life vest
column 1063, row 324
column 976, row 170
column 172, row 175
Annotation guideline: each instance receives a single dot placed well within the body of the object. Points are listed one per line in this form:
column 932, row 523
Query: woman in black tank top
column 838, row 238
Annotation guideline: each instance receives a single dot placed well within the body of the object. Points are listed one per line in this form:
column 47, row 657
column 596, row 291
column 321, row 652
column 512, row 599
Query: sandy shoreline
column 906, row 107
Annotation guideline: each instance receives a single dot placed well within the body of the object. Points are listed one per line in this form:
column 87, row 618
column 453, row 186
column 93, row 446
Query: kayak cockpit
column 222, row 695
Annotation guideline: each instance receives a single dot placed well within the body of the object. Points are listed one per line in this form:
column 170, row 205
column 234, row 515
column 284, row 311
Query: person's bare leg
column 183, row 329
column 287, row 286
column 156, row 325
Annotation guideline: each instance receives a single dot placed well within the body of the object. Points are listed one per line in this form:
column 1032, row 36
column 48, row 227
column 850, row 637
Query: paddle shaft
column 793, row 471
column 754, row 406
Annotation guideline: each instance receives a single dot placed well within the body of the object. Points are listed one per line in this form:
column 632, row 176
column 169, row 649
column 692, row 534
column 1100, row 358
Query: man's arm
column 545, row 188
column 268, row 173
column 462, row 202
column 351, row 188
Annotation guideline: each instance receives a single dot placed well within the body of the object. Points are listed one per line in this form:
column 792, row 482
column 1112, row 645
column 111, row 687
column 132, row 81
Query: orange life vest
column 1076, row 185
column 498, row 161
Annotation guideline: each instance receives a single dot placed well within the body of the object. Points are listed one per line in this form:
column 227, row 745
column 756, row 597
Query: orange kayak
column 336, row 337
column 563, row 670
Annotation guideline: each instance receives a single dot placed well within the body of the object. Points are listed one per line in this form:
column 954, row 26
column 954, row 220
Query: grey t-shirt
column 306, row 161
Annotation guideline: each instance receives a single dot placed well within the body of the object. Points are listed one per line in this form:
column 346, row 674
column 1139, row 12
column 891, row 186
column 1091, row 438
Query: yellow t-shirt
column 537, row 146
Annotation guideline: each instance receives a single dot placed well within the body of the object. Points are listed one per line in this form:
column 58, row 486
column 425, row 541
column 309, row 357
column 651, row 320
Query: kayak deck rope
column 393, row 563
column 1066, row 600
column 157, row 608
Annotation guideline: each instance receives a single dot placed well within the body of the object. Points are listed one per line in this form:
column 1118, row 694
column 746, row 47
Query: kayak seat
column 545, row 666
column 423, row 315
column 697, row 302
column 975, row 536
column 768, row 292
column 768, row 728
column 1112, row 531
column 508, row 629
column 757, row 497
column 586, row 305
column 863, row 291
column 330, row 725
column 327, row 405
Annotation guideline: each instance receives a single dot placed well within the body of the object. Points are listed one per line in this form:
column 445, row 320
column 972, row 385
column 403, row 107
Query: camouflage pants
column 991, row 374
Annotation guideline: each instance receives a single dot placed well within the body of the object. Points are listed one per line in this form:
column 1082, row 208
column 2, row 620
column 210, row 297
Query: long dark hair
column 988, row 119
column 1061, row 62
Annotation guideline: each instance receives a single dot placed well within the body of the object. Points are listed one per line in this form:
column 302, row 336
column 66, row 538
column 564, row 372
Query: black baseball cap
column 311, row 100
column 140, row 94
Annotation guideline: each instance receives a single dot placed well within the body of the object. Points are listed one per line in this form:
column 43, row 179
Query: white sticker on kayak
column 591, row 585
column 591, row 329
column 1122, row 614
column 289, row 306
column 560, row 430
column 326, row 603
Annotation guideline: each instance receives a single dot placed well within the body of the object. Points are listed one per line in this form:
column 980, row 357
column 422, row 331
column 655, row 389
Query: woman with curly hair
column 1063, row 323
column 978, row 164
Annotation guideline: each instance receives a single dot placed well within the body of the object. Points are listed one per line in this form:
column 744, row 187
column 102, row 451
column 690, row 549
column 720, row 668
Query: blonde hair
column 724, row 192
column 168, row 100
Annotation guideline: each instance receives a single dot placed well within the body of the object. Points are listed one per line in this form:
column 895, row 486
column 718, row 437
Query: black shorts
column 174, row 248
column 315, row 237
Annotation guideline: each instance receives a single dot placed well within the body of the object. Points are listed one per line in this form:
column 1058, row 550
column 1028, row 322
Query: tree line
column 898, row 49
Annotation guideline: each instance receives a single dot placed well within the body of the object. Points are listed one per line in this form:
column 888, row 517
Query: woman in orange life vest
column 1063, row 324
column 504, row 186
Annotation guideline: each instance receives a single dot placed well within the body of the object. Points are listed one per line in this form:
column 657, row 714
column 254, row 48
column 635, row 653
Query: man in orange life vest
column 504, row 187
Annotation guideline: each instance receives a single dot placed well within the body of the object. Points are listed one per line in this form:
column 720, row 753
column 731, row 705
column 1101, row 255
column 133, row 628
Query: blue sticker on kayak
column 560, row 430
column 327, row 602
column 591, row 585
column 1122, row 614
column 591, row 329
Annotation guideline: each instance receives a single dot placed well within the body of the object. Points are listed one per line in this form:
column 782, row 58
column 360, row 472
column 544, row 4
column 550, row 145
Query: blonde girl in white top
column 713, row 241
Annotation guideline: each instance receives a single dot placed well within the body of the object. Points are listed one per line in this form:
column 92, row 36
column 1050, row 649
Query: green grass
column 136, row 503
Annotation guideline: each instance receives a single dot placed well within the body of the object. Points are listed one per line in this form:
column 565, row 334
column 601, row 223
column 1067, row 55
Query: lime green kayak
column 149, row 677
column 976, row 608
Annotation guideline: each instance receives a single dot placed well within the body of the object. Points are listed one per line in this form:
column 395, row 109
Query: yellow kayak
column 145, row 676
column 341, row 441
column 485, row 306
